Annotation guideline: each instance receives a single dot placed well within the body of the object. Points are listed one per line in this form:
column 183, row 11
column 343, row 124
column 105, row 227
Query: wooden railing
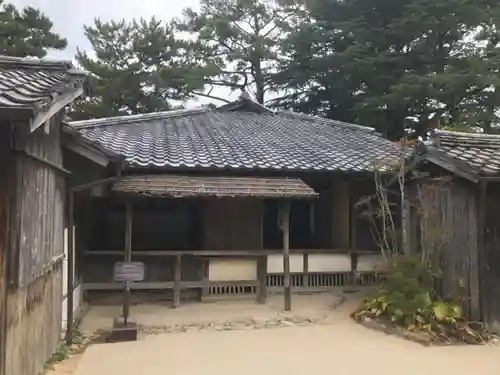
column 260, row 284
column 229, row 253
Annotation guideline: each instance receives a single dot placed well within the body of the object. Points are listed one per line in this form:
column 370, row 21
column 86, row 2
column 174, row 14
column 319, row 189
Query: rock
column 238, row 325
column 272, row 324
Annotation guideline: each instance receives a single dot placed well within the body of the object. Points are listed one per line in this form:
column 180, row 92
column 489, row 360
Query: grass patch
column 63, row 351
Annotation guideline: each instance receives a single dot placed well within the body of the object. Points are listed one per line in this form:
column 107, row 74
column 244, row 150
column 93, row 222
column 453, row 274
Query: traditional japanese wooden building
column 211, row 200
column 33, row 94
column 462, row 173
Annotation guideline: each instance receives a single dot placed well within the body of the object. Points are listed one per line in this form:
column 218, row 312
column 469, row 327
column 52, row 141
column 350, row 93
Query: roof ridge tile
column 127, row 119
column 325, row 120
column 11, row 62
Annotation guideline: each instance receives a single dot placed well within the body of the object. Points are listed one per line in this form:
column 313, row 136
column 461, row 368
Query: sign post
column 127, row 273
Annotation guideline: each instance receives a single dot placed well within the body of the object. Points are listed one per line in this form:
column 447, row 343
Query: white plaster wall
column 77, row 301
column 369, row 262
column 65, row 261
column 232, row 269
column 275, row 263
column 78, row 291
column 329, row 263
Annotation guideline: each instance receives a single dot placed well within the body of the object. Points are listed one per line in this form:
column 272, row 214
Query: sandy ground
column 339, row 346
column 315, row 306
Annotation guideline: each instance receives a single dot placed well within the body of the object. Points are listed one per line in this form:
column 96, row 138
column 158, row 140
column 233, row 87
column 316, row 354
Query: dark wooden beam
column 460, row 168
column 54, row 167
column 128, row 259
column 491, row 178
column 305, row 259
column 177, row 281
column 262, row 279
column 285, row 228
column 164, row 285
column 93, row 184
column 128, row 233
column 478, row 263
column 354, row 269
column 205, row 269
column 71, row 263
column 226, row 253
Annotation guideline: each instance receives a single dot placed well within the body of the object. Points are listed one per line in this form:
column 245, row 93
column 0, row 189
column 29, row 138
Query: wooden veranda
column 232, row 244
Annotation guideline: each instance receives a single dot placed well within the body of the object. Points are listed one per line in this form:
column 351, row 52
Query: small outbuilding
column 33, row 95
column 462, row 173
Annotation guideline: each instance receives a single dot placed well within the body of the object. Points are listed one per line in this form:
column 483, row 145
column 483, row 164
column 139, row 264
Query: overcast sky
column 69, row 17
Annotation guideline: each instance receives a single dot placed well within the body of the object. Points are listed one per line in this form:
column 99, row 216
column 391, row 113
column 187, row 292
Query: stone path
column 243, row 313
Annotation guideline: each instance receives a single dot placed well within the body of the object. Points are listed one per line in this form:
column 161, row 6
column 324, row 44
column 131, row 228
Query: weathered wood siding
column 453, row 211
column 39, row 214
column 361, row 227
column 34, row 324
column 232, row 224
column 37, row 235
column 490, row 270
column 5, row 190
column 339, row 220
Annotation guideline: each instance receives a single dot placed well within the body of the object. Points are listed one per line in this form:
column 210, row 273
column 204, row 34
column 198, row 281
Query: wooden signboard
column 128, row 272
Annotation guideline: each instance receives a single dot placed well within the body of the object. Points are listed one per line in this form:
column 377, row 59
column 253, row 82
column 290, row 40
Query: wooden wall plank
column 6, row 186
column 341, row 215
column 35, row 273
column 34, row 324
column 234, row 224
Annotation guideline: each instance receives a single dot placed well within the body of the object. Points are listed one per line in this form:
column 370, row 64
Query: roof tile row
column 220, row 139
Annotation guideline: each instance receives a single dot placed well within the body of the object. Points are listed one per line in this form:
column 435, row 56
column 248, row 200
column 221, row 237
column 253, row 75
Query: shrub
column 407, row 298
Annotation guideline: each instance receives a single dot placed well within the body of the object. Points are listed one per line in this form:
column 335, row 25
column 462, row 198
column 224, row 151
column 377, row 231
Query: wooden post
column 177, row 281
column 71, row 266
column 305, row 259
column 128, row 259
column 354, row 268
column 285, row 228
column 478, row 258
column 262, row 276
column 205, row 268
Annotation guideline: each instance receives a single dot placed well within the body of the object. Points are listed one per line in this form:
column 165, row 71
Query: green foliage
column 407, row 293
column 60, row 353
column 408, row 299
column 241, row 40
column 138, row 67
column 27, row 32
column 398, row 65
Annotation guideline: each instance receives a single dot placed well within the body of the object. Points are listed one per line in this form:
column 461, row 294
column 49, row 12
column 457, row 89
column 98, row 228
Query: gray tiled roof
column 480, row 151
column 218, row 139
column 34, row 83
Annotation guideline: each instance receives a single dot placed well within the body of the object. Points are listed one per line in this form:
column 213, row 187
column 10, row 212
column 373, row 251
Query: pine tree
column 397, row 65
column 241, row 39
column 27, row 32
column 139, row 67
